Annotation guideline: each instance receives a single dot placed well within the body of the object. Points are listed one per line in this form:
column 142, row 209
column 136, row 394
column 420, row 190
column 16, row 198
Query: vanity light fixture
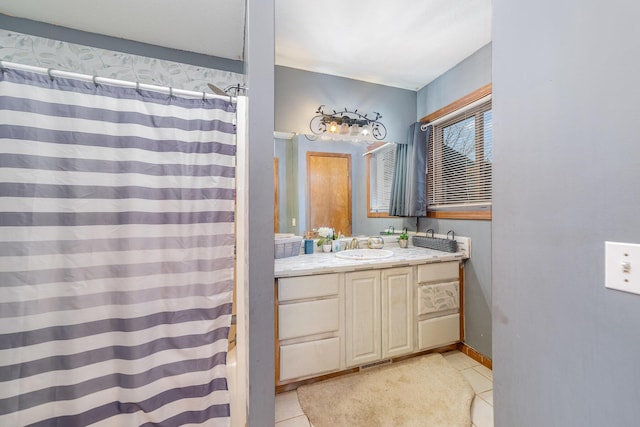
column 347, row 125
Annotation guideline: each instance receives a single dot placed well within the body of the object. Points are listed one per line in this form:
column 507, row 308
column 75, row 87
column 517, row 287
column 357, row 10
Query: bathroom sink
column 363, row 254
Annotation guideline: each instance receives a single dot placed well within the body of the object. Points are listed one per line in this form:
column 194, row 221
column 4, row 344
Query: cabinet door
column 397, row 312
column 362, row 297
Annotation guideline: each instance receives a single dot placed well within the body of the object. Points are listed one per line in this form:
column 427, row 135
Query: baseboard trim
column 475, row 355
column 285, row 386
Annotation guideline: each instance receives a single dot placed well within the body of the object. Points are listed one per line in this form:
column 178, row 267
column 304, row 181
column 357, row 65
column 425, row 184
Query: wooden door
column 329, row 191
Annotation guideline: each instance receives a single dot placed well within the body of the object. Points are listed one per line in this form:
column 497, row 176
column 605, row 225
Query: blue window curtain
column 409, row 187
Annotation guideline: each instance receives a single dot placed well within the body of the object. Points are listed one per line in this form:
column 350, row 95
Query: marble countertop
column 320, row 263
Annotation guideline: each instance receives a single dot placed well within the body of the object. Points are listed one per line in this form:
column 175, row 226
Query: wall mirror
column 324, row 183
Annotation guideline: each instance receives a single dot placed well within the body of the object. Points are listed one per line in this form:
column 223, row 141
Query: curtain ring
column 204, row 95
column 170, row 92
column 49, row 70
column 95, row 81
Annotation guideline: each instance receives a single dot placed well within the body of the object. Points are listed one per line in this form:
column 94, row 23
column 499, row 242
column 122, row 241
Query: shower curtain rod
column 105, row 80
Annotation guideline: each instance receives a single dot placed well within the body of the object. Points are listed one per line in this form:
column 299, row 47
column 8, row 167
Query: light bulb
column 355, row 130
column 333, row 127
column 344, row 129
column 366, row 130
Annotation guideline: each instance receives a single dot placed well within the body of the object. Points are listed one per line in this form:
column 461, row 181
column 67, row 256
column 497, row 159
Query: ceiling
column 400, row 43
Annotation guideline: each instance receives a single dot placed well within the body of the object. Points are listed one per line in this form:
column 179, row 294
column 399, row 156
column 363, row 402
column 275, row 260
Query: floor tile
column 478, row 381
column 300, row 421
column 484, row 371
column 459, row 360
column 481, row 413
column 487, row 396
column 287, row 406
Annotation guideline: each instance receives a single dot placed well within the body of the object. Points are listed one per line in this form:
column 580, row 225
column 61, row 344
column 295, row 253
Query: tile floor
column 289, row 413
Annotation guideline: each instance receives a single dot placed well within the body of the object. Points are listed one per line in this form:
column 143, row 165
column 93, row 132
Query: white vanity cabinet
column 335, row 321
column 379, row 315
column 438, row 305
column 310, row 329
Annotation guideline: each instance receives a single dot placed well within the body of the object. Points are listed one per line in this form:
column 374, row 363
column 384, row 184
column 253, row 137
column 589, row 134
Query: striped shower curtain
column 116, row 254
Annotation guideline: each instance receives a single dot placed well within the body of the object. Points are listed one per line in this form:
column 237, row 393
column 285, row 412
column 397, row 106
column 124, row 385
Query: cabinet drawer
column 437, row 332
column 309, row 358
column 438, row 297
column 308, row 318
column 438, row 271
column 292, row 288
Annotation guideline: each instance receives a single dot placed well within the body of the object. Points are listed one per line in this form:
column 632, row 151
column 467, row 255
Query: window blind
column 381, row 178
column 460, row 160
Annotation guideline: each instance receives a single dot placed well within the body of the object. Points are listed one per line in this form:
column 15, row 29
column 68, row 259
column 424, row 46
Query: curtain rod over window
column 105, row 80
column 456, row 112
column 375, row 150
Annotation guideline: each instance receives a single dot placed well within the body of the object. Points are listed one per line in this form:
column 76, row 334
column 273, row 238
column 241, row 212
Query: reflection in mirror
column 301, row 159
column 380, row 160
column 328, row 201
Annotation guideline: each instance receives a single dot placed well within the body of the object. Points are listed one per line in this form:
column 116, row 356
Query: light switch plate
column 622, row 266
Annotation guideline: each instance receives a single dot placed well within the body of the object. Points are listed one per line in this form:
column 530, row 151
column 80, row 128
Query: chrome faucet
column 355, row 244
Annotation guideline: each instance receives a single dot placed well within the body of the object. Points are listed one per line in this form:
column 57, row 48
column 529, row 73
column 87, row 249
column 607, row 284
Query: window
column 380, row 164
column 460, row 160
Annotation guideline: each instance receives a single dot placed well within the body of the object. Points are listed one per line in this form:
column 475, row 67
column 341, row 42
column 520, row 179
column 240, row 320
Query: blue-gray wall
column 566, row 179
column 469, row 75
column 259, row 316
column 298, row 94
